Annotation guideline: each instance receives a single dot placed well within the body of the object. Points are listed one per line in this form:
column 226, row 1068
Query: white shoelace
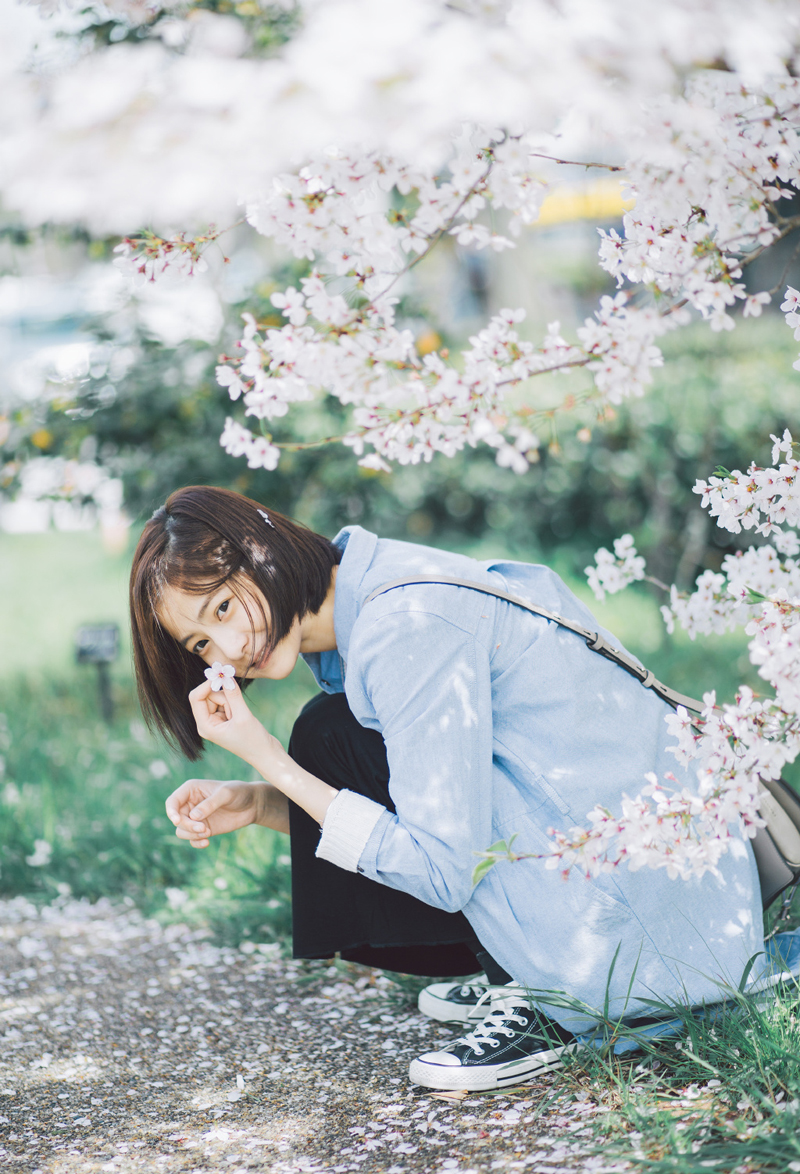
column 468, row 990
column 495, row 1023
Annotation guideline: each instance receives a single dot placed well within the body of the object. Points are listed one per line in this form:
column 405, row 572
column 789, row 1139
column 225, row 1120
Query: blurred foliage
column 267, row 26
column 95, row 795
column 153, row 416
column 90, row 587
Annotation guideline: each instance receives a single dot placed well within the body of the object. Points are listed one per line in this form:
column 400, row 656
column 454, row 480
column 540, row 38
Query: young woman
column 448, row 719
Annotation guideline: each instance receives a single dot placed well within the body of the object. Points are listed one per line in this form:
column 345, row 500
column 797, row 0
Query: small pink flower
column 221, row 676
column 792, row 301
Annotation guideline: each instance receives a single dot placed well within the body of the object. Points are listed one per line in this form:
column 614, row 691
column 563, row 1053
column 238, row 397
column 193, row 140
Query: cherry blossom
column 147, row 256
column 708, row 172
column 615, row 571
column 733, row 746
column 762, row 500
column 221, row 676
column 334, row 212
column 178, row 125
column 754, row 304
column 407, row 407
column 791, row 308
column 360, row 169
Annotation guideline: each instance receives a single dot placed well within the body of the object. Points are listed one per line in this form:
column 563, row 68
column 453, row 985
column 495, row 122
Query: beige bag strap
column 594, row 640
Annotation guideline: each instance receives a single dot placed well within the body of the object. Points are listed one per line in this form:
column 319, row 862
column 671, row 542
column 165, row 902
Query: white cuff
column 346, row 828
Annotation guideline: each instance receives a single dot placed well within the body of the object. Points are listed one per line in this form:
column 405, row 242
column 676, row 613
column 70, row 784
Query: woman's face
column 217, row 626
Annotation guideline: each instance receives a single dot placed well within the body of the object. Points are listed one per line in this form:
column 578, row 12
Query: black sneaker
column 457, row 1003
column 512, row 1044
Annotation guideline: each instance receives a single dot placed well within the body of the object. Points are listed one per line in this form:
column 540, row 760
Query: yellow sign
column 597, row 199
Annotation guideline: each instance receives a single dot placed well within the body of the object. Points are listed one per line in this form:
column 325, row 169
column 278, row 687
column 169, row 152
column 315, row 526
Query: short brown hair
column 201, row 538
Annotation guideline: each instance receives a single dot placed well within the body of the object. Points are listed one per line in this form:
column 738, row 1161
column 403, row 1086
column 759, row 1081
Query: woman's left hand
column 224, row 717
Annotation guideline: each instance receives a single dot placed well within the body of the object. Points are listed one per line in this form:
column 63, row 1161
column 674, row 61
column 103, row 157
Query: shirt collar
column 357, row 546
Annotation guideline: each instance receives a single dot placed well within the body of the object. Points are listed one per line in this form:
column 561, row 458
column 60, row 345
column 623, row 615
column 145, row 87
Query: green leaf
column 721, row 471
column 611, row 969
column 480, row 870
column 746, row 972
column 492, row 855
column 500, row 847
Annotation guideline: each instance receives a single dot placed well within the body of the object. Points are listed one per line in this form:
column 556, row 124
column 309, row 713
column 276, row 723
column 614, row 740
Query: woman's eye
column 200, row 647
column 223, row 607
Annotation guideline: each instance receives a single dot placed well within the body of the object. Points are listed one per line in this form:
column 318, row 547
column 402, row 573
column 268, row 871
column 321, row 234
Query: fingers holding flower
column 223, row 716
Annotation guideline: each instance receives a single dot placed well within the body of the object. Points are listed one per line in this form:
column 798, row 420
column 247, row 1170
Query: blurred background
column 108, row 402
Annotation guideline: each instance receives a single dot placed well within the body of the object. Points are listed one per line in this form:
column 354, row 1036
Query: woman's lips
column 255, row 660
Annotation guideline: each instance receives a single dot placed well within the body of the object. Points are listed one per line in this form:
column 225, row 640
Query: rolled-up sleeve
column 425, row 683
column 346, row 829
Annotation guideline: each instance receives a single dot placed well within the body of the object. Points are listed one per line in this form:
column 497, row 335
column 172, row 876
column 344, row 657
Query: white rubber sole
column 479, row 1078
column 446, row 1012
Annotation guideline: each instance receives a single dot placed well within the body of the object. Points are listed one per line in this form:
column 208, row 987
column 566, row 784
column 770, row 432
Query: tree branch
column 577, row 163
column 656, row 582
column 785, row 274
column 434, row 240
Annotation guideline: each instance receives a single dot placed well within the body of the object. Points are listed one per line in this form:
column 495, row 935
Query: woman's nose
column 231, row 645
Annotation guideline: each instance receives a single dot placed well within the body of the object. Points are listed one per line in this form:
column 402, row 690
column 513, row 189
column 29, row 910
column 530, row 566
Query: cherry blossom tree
column 357, row 136
column 734, row 746
column 186, row 119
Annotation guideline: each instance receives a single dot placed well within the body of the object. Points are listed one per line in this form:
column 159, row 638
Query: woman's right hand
column 201, row 808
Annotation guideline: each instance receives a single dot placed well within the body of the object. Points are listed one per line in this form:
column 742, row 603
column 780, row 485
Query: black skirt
column 334, row 911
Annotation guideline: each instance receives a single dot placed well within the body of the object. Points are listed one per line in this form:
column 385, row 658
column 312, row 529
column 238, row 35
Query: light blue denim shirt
column 497, row 721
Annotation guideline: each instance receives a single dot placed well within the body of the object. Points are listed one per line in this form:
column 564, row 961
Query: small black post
column 104, row 689
column 99, row 644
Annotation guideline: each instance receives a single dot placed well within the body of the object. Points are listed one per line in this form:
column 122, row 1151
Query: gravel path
column 127, row 1046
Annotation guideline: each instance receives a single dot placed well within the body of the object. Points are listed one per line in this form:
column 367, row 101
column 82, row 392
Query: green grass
column 95, row 794
column 50, row 584
column 725, row 1096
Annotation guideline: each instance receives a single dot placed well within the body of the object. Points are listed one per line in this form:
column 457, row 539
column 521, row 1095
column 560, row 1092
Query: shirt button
column 359, row 868
column 325, row 683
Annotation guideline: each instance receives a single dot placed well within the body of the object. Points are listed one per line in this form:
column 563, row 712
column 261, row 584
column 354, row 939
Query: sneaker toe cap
column 437, row 990
column 442, row 1059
